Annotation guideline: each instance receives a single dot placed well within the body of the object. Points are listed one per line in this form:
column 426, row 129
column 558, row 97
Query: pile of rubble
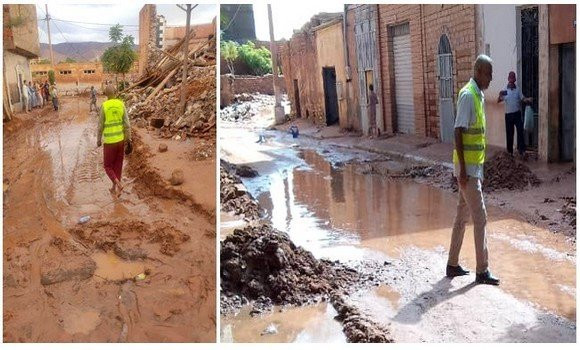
column 568, row 210
column 260, row 262
column 233, row 195
column 154, row 100
column 246, row 106
column 502, row 171
column 358, row 327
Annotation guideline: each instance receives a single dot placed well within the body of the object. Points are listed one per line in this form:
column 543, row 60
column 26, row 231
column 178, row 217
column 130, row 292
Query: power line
column 69, row 44
column 233, row 18
column 96, row 24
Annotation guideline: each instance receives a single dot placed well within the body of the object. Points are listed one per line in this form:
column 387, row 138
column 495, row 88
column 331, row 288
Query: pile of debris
column 569, row 210
column 262, row 262
column 358, row 327
column 246, row 106
column 154, row 99
column 502, row 171
column 233, row 195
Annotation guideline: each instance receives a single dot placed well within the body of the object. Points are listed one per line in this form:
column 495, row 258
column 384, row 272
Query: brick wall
column 427, row 23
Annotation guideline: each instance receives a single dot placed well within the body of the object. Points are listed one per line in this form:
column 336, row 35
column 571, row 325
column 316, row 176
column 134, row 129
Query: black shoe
column 454, row 271
column 486, row 278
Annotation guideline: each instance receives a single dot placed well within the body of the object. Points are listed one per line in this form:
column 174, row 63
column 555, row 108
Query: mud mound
column 119, row 236
column 357, row 327
column 149, row 182
column 259, row 261
column 502, row 172
column 233, row 195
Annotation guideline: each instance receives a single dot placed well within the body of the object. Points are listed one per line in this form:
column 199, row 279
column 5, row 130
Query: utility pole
column 278, row 109
column 49, row 41
column 185, row 60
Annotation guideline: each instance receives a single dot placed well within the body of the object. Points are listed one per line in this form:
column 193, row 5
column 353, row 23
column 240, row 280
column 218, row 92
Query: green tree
column 229, row 52
column 116, row 33
column 259, row 60
column 51, row 77
column 119, row 58
column 69, row 60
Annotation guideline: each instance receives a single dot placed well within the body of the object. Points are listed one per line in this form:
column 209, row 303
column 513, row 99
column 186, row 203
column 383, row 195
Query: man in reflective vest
column 113, row 130
column 468, row 159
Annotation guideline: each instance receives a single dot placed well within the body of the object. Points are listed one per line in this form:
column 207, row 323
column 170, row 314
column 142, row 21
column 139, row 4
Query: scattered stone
column 271, row 329
column 162, row 148
column 177, row 177
column 246, row 171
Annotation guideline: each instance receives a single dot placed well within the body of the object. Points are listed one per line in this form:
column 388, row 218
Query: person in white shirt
column 513, row 98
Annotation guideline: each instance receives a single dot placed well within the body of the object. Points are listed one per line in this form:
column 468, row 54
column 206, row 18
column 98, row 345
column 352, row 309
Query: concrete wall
column 500, row 33
column 231, row 86
column 20, row 30
column 13, row 65
column 354, row 114
column 330, row 53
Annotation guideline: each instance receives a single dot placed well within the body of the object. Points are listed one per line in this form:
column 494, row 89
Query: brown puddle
column 77, row 321
column 308, row 324
column 113, row 268
column 342, row 214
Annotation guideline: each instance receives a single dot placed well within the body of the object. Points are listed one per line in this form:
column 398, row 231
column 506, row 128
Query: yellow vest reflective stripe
column 113, row 131
column 474, row 136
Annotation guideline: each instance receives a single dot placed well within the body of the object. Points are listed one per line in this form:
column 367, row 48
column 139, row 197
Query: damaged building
column 418, row 57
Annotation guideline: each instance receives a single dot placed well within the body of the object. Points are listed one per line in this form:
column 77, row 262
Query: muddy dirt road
column 140, row 270
column 337, row 211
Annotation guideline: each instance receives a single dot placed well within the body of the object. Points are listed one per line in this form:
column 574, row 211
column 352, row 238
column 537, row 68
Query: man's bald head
column 482, row 71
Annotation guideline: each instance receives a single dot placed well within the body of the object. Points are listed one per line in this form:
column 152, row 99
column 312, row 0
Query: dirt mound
column 568, row 210
column 259, row 261
column 233, row 195
column 358, row 327
column 502, row 171
column 246, row 106
column 124, row 237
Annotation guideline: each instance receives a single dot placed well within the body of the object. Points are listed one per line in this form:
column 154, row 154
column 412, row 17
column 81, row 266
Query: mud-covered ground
column 391, row 220
column 141, row 269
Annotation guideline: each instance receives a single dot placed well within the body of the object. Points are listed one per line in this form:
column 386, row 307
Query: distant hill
column 84, row 51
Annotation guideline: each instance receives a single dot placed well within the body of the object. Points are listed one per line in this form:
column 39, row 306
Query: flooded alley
column 87, row 267
column 329, row 205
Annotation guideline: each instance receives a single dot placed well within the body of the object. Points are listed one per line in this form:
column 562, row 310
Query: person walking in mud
column 468, row 159
column 113, row 130
column 93, row 99
column 54, row 97
column 373, row 101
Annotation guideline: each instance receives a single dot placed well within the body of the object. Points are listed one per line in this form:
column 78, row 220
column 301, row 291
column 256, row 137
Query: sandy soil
column 142, row 269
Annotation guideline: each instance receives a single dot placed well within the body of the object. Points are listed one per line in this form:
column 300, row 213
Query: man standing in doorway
column 115, row 129
column 468, row 159
column 373, row 101
column 25, row 98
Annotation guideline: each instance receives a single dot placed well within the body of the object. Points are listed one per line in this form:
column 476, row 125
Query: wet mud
column 141, row 269
column 382, row 219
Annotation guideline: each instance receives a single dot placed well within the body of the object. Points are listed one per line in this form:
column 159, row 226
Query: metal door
column 403, row 79
column 444, row 66
column 330, row 95
column 529, row 81
column 568, row 102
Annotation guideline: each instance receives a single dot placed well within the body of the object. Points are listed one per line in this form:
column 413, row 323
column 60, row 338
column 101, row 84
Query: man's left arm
column 126, row 124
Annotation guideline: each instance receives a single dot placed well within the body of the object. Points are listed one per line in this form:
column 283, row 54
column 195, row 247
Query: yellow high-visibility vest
column 113, row 129
column 474, row 136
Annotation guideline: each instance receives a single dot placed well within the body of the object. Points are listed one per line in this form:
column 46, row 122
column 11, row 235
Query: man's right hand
column 462, row 179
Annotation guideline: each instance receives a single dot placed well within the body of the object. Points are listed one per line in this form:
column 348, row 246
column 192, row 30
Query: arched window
column 444, row 45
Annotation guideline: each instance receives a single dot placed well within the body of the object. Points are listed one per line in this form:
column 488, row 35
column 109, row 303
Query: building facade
column 20, row 46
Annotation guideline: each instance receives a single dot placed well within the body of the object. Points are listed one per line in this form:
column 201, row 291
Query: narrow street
column 142, row 269
column 324, row 199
